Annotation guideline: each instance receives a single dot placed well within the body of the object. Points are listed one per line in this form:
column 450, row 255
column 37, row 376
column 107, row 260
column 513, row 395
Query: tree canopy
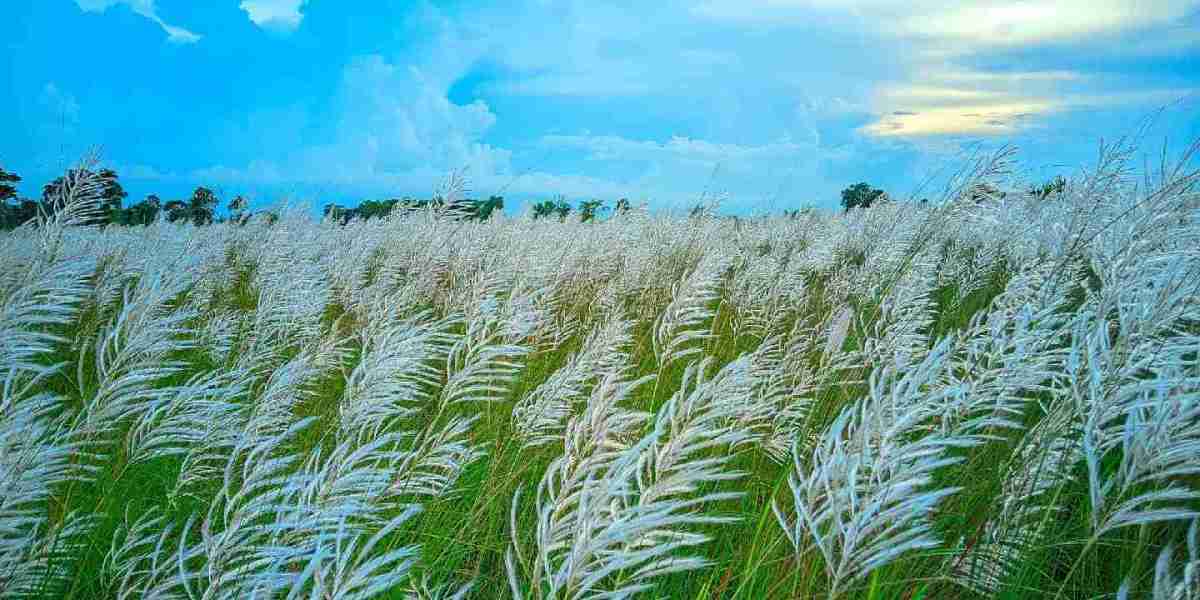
column 7, row 190
column 109, row 194
column 860, row 195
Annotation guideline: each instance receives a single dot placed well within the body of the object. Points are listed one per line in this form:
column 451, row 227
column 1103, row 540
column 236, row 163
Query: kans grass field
column 975, row 397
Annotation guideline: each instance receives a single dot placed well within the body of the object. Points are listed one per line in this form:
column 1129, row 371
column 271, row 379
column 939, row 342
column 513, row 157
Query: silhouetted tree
column 589, row 209
column 482, row 210
column 544, row 208
column 547, row 208
column 8, row 191
column 562, row 208
column 1049, row 190
column 237, row 210
column 199, row 209
column 177, row 210
column 142, row 213
column 860, row 195
column 15, row 213
column 12, row 211
column 109, row 193
column 112, row 195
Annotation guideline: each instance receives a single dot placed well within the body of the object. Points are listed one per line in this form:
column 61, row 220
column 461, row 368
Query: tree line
column 466, row 208
column 201, row 207
column 476, row 210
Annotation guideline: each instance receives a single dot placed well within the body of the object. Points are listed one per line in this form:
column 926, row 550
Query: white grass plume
column 130, row 358
column 686, row 318
column 863, row 497
column 540, row 416
column 612, row 521
column 570, row 538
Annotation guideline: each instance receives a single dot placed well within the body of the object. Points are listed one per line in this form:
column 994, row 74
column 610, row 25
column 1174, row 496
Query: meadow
column 978, row 397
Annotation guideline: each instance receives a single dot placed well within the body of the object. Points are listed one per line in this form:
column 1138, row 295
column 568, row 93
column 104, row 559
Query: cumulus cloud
column 398, row 116
column 278, row 15
column 397, row 129
column 147, row 9
column 394, row 127
column 764, row 98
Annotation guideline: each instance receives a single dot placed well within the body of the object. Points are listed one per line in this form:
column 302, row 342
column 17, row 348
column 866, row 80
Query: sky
column 765, row 104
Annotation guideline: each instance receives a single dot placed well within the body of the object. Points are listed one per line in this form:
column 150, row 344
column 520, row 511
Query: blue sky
column 774, row 103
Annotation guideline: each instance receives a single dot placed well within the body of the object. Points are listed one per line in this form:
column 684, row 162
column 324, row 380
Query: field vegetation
column 979, row 396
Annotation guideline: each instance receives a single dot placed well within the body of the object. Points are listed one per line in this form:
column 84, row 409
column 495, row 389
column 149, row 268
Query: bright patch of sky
column 777, row 103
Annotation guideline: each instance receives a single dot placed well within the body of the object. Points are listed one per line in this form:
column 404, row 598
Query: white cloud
column 398, row 116
column 986, row 22
column 147, row 9
column 765, row 98
column 965, row 102
column 1010, row 23
column 396, row 131
column 279, row 15
column 931, row 93
column 394, row 125
column 980, row 119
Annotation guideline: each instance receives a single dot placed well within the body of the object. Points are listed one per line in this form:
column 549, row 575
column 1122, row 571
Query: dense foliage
column 861, row 195
column 948, row 400
column 467, row 208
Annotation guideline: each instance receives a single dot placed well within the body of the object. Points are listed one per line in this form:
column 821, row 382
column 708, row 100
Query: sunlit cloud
column 987, row 22
column 1002, row 23
column 981, row 119
column 987, row 104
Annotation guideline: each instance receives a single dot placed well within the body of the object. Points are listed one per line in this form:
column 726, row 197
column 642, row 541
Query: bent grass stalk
column 382, row 390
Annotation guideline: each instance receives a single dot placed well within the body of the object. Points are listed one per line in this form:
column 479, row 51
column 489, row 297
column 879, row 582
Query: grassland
column 980, row 397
